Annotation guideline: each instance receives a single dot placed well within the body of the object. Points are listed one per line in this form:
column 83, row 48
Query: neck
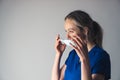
column 90, row 46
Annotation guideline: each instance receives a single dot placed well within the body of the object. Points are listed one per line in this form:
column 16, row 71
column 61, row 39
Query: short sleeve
column 70, row 57
column 103, row 66
column 99, row 67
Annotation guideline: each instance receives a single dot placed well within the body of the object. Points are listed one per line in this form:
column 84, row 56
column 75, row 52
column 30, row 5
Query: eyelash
column 69, row 31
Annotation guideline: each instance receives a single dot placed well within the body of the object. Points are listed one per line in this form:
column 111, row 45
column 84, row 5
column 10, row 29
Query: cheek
column 80, row 34
column 77, row 33
column 70, row 35
column 74, row 33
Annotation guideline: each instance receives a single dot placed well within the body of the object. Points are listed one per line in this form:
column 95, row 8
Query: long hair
column 83, row 19
column 96, row 34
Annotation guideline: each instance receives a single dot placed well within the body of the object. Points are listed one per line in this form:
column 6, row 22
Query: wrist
column 58, row 54
column 84, row 61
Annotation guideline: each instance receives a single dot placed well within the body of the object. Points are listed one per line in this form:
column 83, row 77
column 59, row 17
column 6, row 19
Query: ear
column 86, row 31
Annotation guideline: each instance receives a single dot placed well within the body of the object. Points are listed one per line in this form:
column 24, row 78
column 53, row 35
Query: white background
column 28, row 29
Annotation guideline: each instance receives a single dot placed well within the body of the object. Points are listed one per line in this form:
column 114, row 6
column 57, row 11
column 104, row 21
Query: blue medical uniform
column 99, row 63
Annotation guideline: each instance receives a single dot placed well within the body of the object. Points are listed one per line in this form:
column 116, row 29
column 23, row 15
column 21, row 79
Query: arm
column 85, row 70
column 86, row 73
column 97, row 77
column 57, row 73
column 81, row 49
column 62, row 71
column 56, row 69
column 82, row 52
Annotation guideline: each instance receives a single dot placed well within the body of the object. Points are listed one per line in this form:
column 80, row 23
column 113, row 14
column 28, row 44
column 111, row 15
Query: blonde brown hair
column 95, row 33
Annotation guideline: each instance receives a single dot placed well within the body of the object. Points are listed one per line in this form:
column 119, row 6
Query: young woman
column 88, row 60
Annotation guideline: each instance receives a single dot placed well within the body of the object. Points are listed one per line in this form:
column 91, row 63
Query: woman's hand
column 80, row 47
column 59, row 47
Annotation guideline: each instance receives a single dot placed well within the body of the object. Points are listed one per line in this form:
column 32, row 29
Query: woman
column 88, row 60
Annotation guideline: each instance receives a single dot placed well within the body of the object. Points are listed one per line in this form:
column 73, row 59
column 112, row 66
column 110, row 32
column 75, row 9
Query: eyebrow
column 70, row 29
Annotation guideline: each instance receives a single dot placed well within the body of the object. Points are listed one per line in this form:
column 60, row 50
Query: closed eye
column 71, row 31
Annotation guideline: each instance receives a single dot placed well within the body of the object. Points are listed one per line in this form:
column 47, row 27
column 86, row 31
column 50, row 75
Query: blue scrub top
column 99, row 63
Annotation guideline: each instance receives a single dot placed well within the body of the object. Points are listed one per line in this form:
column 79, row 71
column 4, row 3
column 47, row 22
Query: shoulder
column 99, row 52
column 70, row 57
column 72, row 52
column 100, row 62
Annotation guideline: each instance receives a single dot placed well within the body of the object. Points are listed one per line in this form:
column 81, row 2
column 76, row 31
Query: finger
column 77, row 41
column 82, row 40
column 73, row 46
column 78, row 50
column 57, row 37
column 79, row 38
column 76, row 47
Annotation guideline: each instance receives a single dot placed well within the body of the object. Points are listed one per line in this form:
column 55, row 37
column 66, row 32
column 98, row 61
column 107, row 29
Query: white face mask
column 67, row 42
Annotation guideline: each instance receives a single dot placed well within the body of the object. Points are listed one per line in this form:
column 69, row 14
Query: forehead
column 70, row 23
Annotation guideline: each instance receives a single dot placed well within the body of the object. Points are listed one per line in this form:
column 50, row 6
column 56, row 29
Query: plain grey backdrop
column 28, row 29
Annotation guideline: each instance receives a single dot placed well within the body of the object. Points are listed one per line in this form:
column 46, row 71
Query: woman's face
column 72, row 30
